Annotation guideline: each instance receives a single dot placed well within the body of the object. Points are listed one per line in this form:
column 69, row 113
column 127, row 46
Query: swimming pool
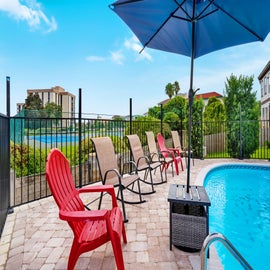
column 240, row 210
column 56, row 138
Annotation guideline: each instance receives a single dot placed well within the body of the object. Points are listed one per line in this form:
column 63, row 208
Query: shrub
column 25, row 161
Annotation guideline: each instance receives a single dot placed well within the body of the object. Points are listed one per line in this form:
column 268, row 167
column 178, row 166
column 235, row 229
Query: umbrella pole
column 190, row 103
column 190, row 96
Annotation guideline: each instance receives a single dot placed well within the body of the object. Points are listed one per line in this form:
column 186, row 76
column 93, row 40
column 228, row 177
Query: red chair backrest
column 161, row 144
column 62, row 187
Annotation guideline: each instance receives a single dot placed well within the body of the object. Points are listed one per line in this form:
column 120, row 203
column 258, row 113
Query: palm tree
column 169, row 90
column 176, row 88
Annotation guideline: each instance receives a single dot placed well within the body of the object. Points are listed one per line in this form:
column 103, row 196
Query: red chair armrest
column 169, row 152
column 101, row 188
column 175, row 150
column 83, row 215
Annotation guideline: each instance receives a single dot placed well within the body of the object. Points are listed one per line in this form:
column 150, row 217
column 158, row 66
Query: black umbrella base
column 188, row 217
column 188, row 249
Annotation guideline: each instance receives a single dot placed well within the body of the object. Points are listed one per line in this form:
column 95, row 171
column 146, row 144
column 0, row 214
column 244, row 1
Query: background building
column 57, row 95
column 265, row 92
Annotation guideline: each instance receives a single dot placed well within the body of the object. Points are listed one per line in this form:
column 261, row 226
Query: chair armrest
column 175, row 150
column 104, row 188
column 171, row 153
column 155, row 154
column 100, row 188
column 118, row 174
column 83, row 215
column 146, row 158
column 133, row 163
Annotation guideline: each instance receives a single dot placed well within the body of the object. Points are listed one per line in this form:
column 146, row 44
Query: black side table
column 189, row 216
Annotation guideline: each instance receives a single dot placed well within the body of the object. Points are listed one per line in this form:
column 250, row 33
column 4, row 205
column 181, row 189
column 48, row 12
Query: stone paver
column 35, row 238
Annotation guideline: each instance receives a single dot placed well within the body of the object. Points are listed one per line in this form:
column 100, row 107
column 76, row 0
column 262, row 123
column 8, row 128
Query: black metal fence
column 32, row 139
column 4, row 171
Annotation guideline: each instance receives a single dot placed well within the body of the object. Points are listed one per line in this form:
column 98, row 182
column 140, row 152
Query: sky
column 84, row 44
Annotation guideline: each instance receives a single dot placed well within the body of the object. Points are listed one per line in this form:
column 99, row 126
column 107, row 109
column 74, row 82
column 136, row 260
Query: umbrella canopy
column 194, row 28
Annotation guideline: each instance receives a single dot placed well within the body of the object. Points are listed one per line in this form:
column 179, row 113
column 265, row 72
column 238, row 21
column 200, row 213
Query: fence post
column 80, row 137
column 10, row 210
column 130, row 129
column 202, row 135
column 161, row 118
column 130, row 116
column 181, row 126
column 240, row 131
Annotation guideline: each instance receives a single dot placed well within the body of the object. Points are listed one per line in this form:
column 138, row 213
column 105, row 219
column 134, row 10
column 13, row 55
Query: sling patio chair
column 177, row 145
column 111, row 175
column 173, row 152
column 143, row 162
column 93, row 228
column 155, row 154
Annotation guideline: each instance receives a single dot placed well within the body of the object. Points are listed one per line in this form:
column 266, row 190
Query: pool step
column 213, row 261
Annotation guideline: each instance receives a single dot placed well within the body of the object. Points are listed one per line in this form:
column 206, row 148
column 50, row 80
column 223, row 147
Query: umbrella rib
column 240, row 23
column 180, row 6
column 201, row 16
column 161, row 26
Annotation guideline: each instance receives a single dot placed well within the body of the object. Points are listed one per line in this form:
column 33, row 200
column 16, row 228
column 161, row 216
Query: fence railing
column 32, row 139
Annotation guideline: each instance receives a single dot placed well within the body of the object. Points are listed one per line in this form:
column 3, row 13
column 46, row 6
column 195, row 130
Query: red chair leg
column 182, row 165
column 176, row 166
column 117, row 250
column 73, row 256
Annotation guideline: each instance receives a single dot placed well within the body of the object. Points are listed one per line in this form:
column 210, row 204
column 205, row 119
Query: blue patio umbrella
column 194, row 28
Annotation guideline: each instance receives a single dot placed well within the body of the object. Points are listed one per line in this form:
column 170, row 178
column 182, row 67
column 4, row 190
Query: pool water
column 56, row 138
column 240, row 210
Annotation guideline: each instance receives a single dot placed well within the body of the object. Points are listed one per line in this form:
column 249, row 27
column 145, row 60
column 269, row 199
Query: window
column 265, row 85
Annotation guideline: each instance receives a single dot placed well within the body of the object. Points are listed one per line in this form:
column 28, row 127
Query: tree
column 176, row 88
column 172, row 89
column 33, row 102
column 155, row 112
column 196, row 128
column 169, row 90
column 242, row 113
column 53, row 110
column 143, row 124
column 118, row 118
column 214, row 116
column 33, row 109
column 178, row 105
column 173, row 120
column 174, row 112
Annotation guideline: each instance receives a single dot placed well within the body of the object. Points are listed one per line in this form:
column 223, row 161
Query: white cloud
column 134, row 45
column 117, row 57
column 94, row 58
column 29, row 11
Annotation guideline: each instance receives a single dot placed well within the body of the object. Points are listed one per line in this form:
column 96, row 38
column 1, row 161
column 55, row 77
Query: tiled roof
column 203, row 96
column 208, row 95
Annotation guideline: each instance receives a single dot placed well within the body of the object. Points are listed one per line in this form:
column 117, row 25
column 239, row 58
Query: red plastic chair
column 91, row 228
column 173, row 152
